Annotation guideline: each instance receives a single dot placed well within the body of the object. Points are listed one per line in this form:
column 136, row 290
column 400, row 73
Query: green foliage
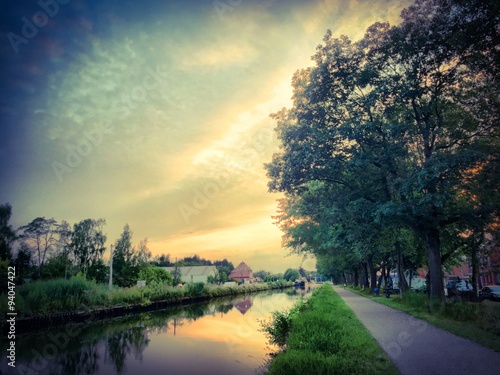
column 262, row 274
column 7, row 234
column 162, row 260
column 98, row 271
column 278, row 328
column 40, row 237
column 128, row 261
column 4, row 272
column 124, row 272
column 56, row 267
column 291, row 274
column 23, row 263
column 194, row 289
column 155, row 275
column 274, row 277
column 53, row 295
column 87, row 245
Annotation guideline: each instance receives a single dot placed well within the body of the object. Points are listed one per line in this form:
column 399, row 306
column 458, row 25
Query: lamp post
column 110, row 285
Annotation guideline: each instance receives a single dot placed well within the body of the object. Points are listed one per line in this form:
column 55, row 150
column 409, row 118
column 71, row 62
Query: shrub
column 195, row 289
column 155, row 275
column 278, row 328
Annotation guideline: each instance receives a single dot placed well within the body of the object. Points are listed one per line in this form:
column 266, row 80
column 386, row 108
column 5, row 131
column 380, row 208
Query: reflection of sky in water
column 224, row 343
column 217, row 338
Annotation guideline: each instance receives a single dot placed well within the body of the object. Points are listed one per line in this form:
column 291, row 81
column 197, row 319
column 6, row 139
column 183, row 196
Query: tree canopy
column 393, row 133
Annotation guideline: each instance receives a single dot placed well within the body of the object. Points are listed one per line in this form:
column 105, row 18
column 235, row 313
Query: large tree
column 123, row 270
column 400, row 119
column 87, row 246
column 40, row 236
column 7, row 233
column 7, row 237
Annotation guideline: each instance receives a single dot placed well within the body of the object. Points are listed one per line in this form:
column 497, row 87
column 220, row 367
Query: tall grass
column 56, row 296
column 278, row 328
column 325, row 337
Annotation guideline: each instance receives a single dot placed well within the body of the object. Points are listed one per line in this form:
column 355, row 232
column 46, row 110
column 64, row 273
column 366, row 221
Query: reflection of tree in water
column 224, row 308
column 82, row 361
column 123, row 343
column 195, row 311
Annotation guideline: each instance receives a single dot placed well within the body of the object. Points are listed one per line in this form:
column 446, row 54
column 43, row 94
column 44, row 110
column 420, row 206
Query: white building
column 194, row 274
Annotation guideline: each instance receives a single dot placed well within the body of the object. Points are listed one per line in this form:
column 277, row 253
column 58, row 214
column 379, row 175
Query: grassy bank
column 323, row 336
column 479, row 322
column 77, row 294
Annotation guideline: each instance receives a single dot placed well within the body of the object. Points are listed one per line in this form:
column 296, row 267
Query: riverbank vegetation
column 475, row 321
column 323, row 336
column 80, row 294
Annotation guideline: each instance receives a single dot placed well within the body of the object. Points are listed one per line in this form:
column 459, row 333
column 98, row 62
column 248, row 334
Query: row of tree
column 389, row 155
column 47, row 249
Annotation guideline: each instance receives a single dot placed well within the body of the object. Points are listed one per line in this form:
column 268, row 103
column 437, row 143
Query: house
column 242, row 273
column 194, row 274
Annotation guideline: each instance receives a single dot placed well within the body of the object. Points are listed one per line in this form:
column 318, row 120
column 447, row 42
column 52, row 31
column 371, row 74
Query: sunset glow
column 157, row 115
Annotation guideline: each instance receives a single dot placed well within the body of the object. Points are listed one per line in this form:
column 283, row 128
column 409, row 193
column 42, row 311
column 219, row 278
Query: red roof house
column 242, row 273
column 244, row 305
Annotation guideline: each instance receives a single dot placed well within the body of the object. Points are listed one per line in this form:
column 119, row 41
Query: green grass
column 325, row 337
column 479, row 322
column 77, row 294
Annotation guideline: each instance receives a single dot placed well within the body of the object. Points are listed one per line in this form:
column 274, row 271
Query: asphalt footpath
column 415, row 346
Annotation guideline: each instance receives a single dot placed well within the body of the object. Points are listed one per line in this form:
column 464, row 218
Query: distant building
column 489, row 266
column 242, row 273
column 194, row 274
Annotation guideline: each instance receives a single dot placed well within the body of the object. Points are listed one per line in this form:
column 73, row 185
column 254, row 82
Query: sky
column 156, row 114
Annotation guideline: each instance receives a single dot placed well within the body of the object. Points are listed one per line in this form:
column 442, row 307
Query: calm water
column 220, row 337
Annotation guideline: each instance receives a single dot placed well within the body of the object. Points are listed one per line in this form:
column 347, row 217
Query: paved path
column 416, row 347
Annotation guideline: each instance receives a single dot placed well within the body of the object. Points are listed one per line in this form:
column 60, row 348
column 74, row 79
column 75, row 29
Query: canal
column 219, row 337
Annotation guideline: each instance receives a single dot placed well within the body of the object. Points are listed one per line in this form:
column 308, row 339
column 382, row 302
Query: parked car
column 463, row 286
column 491, row 292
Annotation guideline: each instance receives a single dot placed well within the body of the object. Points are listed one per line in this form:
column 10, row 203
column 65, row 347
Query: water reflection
column 244, row 305
column 217, row 337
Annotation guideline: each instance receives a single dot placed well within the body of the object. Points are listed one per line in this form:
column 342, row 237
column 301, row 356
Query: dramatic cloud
column 157, row 115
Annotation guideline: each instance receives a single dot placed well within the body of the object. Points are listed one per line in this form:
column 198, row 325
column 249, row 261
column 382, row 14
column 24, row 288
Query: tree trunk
column 356, row 277
column 402, row 284
column 433, row 244
column 361, row 275
column 373, row 273
column 475, row 273
column 386, row 272
column 366, row 282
